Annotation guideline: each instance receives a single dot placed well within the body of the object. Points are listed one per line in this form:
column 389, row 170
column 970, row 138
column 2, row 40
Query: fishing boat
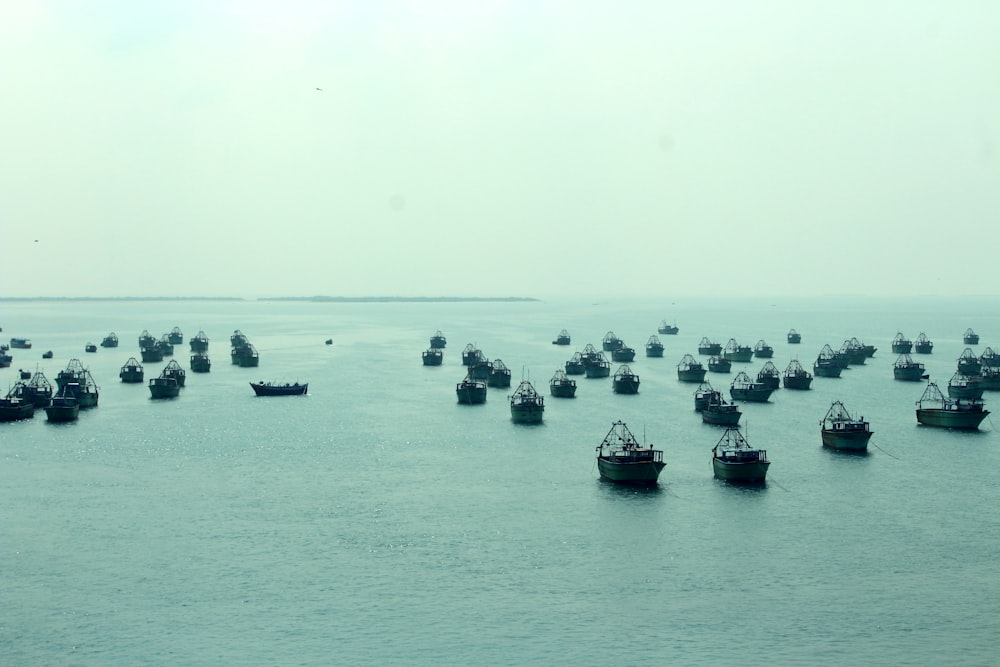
column 745, row 389
column 86, row 393
column 38, row 390
column 482, row 369
column 131, row 371
column 905, row 368
column 200, row 363
column 990, row 378
column 238, row 339
column 923, row 344
column 20, row 343
column 23, row 374
column 47, row 354
column 795, row 376
column 969, row 364
column 111, row 340
column 901, row 344
column 562, row 338
column 199, row 343
column 709, row 347
column 762, row 350
column 151, row 354
column 328, row 341
column 165, row 346
column 5, row 359
column 769, row 376
column 869, row 350
column 839, row 430
column 562, row 386
column 174, row 370
column 438, row 341
column 793, row 337
column 527, row 406
column 175, row 337
column 704, row 394
column 690, row 370
column 62, row 408
column 74, row 372
column 625, row 381
column 826, row 368
column 432, row 357
column 855, row 351
column 621, row 459
column 246, row 356
column 718, row 364
column 989, row 359
column 90, row 347
column 163, row 387
column 274, row 389
column 611, row 342
column 719, row 412
column 736, row 352
column 471, row 391
column 836, row 357
column 575, row 365
column 963, row 386
column 669, row 329
column 471, row 355
column 734, row 460
column 499, row 376
column 596, row 366
column 15, row 407
column 146, row 339
column 934, row 409
column 970, row 337
column 654, row 348
column 623, row 354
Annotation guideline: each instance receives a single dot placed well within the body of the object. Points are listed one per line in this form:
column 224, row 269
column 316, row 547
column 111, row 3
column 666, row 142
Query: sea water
column 375, row 521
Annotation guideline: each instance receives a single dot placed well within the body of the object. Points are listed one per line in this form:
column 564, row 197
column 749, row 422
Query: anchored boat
column 131, row 371
column 63, row 407
column 625, row 381
column 199, row 343
column 963, row 386
column 734, row 460
column 438, row 341
column 969, row 364
column 717, row 364
column 736, row 352
column 527, row 406
column 15, row 407
column 471, row 391
column 839, row 430
column 794, row 337
column 561, row 386
column 111, row 340
column 623, row 354
column 611, row 342
column 575, row 365
column 273, row 389
column 621, row 459
column 499, row 376
column 690, row 370
column 669, row 329
column 432, row 357
column 908, row 370
column 769, row 376
column 563, row 338
column 762, row 350
column 163, row 387
column 200, row 363
column 934, row 409
column 923, row 344
column 745, row 389
column 710, row 347
column 901, row 344
column 796, row 377
column 654, row 348
column 970, row 337
column 704, row 394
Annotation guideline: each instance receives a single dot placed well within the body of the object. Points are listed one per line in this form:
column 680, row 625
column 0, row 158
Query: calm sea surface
column 377, row 522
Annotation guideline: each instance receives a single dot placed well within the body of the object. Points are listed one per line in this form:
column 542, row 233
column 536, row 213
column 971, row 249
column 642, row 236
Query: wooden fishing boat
column 704, row 394
column 923, row 344
column 854, row 351
column 762, row 350
column 969, row 364
column 826, row 368
column 836, row 357
column 839, row 430
column 527, row 406
column 990, row 378
column 499, row 376
column 131, row 371
column 709, row 347
column 621, row 459
column 200, row 363
column 471, row 355
column 669, row 329
column 575, row 365
column 769, row 376
column 654, row 348
column 970, row 337
column 274, row 389
column 964, row 386
column 74, row 372
column 596, row 366
column 901, row 344
column 23, row 374
column 736, row 352
column 38, row 390
column 438, row 341
column 111, row 340
column 906, row 369
column 83, row 388
column 62, row 407
column 47, row 354
column 718, row 412
column 174, row 370
column 745, row 389
column 796, row 377
column 165, row 346
column 432, row 357
column 15, row 407
column 199, row 343
column 163, row 387
column 175, row 337
column 151, row 354
column 718, row 364
column 625, row 381
column 146, row 339
column 246, row 356
column 482, row 369
column 562, row 386
column 690, row 370
column 989, row 359
column 611, row 342
column 734, row 460
column 794, row 337
column 563, row 338
column 623, row 354
column 471, row 391
column 20, row 343
column 934, row 409
column 90, row 347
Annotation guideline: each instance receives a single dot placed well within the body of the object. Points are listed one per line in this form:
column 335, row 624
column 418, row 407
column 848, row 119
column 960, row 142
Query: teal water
column 376, row 521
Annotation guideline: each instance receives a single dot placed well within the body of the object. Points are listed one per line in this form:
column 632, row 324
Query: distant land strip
column 334, row 299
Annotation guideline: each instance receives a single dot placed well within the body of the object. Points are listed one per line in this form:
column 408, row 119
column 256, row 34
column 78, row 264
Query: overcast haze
column 499, row 148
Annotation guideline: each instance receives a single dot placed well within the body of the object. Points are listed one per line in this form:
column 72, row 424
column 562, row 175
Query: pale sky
column 495, row 148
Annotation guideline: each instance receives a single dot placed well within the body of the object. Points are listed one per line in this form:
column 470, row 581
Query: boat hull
column 654, row 351
column 753, row 394
column 847, row 440
column 796, row 382
column 626, row 386
column 909, row 374
column 741, row 355
column 968, row 421
column 720, row 366
column 563, row 390
column 724, row 418
column 12, row 410
column 691, row 375
column 130, row 376
column 641, row 473
column 471, row 395
column 598, row 371
column 163, row 389
column 743, row 472
column 62, row 410
column 829, row 371
column 263, row 389
column 527, row 414
column 432, row 359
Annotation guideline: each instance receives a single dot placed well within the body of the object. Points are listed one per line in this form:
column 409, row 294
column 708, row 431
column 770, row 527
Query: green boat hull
column 854, row 441
column 746, row 473
column 716, row 418
column 968, row 421
column 691, row 375
column 644, row 473
column 527, row 414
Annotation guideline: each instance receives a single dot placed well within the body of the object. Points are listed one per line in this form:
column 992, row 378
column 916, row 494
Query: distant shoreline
column 317, row 299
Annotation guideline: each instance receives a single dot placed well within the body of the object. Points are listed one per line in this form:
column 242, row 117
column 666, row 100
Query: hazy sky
column 499, row 148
